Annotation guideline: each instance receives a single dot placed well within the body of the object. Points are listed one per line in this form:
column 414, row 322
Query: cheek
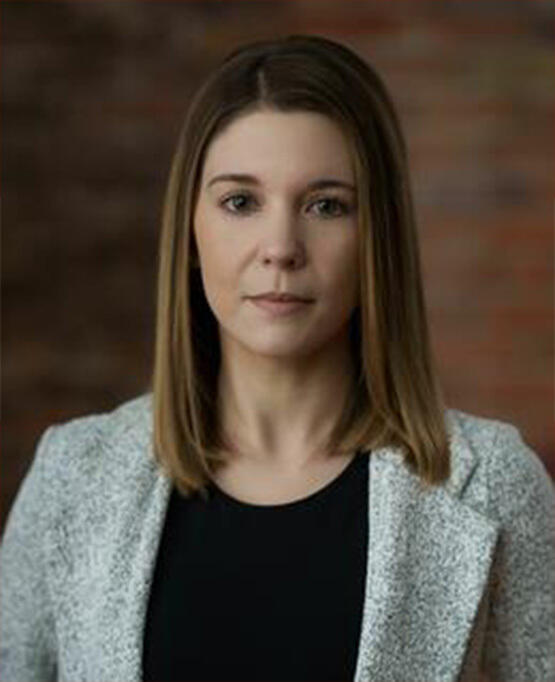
column 219, row 279
column 218, row 246
column 214, row 257
column 216, row 279
column 340, row 271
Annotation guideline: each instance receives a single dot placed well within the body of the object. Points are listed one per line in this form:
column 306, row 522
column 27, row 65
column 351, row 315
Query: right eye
column 236, row 203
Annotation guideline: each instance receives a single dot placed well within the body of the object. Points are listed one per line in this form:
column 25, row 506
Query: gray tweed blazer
column 459, row 581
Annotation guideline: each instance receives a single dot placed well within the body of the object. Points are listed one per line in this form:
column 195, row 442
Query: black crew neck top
column 244, row 591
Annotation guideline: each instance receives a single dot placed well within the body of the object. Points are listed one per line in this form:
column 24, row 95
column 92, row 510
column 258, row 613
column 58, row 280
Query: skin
column 282, row 380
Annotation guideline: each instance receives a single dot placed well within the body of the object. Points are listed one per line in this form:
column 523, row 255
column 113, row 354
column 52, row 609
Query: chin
column 283, row 348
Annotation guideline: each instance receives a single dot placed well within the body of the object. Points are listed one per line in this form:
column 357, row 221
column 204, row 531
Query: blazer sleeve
column 27, row 626
column 520, row 631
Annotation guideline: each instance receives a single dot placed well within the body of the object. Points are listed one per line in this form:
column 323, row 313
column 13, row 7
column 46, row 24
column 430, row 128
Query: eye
column 338, row 207
column 238, row 201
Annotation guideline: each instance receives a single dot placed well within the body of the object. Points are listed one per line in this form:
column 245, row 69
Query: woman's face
column 274, row 232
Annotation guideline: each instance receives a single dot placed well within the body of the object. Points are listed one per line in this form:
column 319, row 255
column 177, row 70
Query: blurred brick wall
column 93, row 96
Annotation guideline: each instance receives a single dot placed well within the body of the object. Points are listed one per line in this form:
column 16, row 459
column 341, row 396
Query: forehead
column 292, row 143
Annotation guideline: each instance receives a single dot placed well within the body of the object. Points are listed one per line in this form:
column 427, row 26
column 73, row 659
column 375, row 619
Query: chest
column 263, row 485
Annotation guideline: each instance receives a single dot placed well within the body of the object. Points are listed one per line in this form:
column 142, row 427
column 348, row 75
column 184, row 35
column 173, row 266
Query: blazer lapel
column 429, row 557
column 129, row 560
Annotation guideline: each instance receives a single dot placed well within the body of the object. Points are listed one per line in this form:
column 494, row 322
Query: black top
column 260, row 592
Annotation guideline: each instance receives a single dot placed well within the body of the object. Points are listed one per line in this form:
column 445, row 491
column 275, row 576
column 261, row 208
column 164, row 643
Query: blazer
column 459, row 580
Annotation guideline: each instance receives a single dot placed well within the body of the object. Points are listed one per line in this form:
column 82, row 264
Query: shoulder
column 96, row 450
column 126, row 417
column 84, row 473
column 504, row 472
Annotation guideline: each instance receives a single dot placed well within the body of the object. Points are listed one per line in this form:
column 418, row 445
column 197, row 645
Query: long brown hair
column 396, row 400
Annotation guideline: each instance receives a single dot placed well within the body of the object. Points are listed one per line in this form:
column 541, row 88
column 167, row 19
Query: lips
column 280, row 309
column 280, row 298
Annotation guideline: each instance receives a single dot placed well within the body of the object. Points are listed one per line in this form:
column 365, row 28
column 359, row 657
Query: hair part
column 396, row 399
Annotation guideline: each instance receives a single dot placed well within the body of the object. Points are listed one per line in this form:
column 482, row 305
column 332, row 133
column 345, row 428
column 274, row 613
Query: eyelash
column 345, row 208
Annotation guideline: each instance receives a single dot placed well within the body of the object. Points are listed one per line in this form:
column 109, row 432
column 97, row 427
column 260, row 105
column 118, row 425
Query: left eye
column 340, row 208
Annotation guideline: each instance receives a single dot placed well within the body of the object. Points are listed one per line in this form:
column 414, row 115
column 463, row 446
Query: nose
column 283, row 247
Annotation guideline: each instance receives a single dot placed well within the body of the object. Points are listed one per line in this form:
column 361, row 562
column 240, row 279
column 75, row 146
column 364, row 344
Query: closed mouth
column 281, row 299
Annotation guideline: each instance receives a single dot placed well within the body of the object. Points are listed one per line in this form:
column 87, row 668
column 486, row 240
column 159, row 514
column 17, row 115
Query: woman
column 292, row 499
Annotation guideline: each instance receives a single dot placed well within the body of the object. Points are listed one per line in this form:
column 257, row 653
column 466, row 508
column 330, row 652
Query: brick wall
column 93, row 96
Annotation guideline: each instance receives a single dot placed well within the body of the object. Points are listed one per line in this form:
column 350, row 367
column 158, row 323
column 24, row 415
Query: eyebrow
column 321, row 183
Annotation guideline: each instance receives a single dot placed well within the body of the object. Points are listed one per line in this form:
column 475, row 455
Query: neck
column 281, row 411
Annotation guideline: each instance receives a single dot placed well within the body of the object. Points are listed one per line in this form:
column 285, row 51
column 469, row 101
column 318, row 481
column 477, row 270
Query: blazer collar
column 428, row 563
column 429, row 557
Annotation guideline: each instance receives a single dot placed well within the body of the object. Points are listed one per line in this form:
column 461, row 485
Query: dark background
column 93, row 94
